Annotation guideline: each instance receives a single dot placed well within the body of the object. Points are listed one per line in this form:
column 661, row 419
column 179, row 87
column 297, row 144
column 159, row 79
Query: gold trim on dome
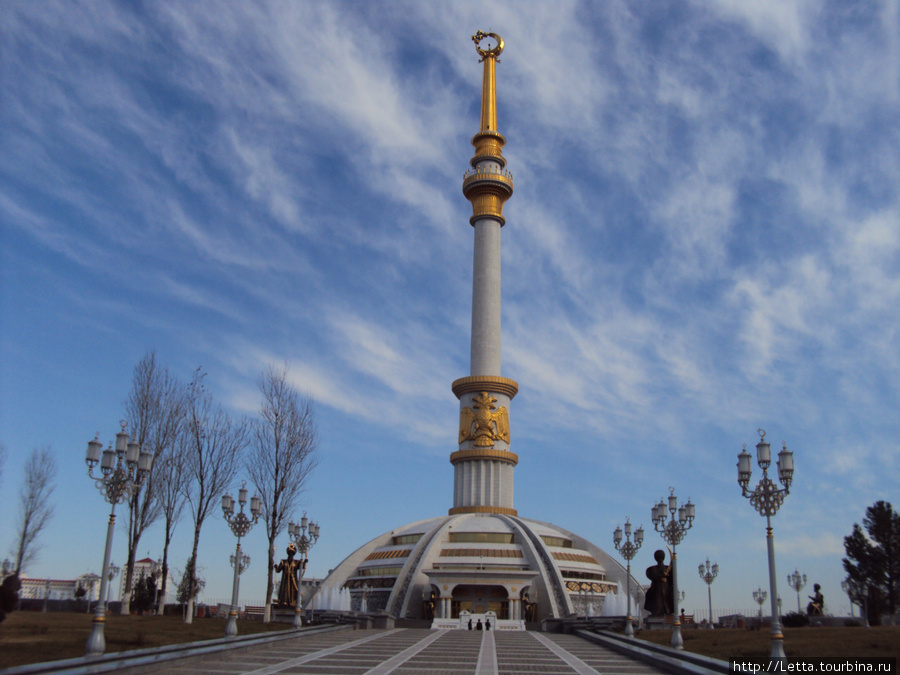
column 574, row 557
column 590, row 587
column 484, row 453
column 491, row 383
column 456, row 510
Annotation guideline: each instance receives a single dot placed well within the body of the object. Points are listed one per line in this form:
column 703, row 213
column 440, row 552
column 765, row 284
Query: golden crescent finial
column 493, row 52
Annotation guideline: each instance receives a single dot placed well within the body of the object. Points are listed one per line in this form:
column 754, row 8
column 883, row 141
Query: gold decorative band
column 488, row 145
column 492, row 383
column 456, row 510
column 484, row 453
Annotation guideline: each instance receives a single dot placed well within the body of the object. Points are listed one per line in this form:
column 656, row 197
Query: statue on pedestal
column 817, row 602
column 289, row 568
column 430, row 606
column 660, row 598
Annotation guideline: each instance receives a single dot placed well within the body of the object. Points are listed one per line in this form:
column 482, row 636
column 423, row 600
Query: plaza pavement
column 410, row 651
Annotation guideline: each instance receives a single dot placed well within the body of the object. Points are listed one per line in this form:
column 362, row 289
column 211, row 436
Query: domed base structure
column 519, row 569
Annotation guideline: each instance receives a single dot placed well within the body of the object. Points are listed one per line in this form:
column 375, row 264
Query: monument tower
column 483, row 464
column 481, row 558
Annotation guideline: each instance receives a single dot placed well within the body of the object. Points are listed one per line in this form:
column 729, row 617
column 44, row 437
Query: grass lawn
column 731, row 643
column 33, row 637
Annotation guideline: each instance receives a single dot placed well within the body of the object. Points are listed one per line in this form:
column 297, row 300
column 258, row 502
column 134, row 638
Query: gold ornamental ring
column 494, row 51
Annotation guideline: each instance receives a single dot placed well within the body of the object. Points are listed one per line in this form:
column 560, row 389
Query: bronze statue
column 430, row 604
column 287, row 588
column 660, row 598
column 815, row 607
column 9, row 595
column 529, row 609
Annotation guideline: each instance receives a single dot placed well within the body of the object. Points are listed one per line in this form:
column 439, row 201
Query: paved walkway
column 415, row 652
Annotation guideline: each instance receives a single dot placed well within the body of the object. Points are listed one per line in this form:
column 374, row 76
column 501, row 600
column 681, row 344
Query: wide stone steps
column 413, row 652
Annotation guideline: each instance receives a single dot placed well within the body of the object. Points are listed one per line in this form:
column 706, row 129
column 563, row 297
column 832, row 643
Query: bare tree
column 282, row 457
column 155, row 411
column 35, row 509
column 171, row 483
column 213, row 446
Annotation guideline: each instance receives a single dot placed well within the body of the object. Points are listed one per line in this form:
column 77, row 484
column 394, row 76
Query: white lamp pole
column 673, row 532
column 709, row 574
column 240, row 525
column 123, row 471
column 111, row 574
column 766, row 499
column 760, row 596
column 797, row 581
column 628, row 551
column 304, row 542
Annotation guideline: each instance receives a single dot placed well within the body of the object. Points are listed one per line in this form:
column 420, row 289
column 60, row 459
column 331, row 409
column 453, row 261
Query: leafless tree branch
column 213, row 446
column 155, row 412
column 35, row 509
column 282, row 456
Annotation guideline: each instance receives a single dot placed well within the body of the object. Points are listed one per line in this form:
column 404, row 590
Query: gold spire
column 489, row 84
column 489, row 187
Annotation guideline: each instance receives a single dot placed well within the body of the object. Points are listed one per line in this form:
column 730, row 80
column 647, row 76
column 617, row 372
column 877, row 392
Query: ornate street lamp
column 760, row 596
column 628, row 551
column 709, row 574
column 673, row 532
column 304, row 542
column 244, row 564
column 797, row 581
column 240, row 525
column 122, row 472
column 766, row 499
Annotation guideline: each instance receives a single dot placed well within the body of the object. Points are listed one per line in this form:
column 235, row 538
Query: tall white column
column 485, row 355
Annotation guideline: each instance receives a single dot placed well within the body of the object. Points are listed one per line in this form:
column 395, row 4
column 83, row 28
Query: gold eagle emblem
column 484, row 422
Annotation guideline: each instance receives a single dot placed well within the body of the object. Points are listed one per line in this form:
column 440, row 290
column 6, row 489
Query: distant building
column 147, row 567
column 60, row 589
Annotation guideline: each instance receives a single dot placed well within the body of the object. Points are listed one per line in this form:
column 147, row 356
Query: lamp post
column 122, row 472
column 845, row 586
column 760, row 596
column 156, row 573
column 797, row 581
column 304, row 542
column 628, row 551
column 857, row 596
column 111, row 573
column 709, row 574
column 240, row 525
column 242, row 563
column 766, row 499
column 673, row 532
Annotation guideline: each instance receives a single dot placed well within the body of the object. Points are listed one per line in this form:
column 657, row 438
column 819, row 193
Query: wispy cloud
column 703, row 238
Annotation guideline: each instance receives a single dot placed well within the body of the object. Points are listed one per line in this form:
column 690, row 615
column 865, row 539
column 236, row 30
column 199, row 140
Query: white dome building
column 482, row 557
column 479, row 563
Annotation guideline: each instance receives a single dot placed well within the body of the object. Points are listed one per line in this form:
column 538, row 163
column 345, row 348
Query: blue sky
column 703, row 241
